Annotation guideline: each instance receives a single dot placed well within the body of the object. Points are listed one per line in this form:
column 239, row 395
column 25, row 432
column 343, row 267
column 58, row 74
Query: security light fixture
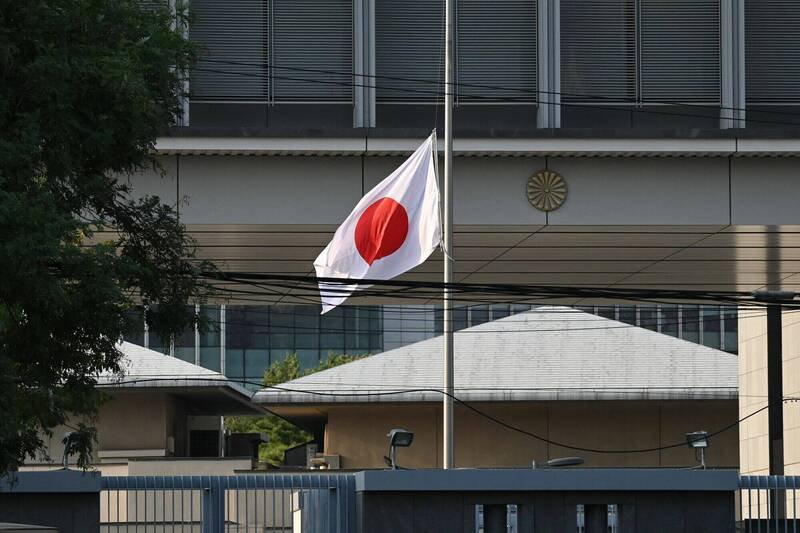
column 398, row 438
column 698, row 440
column 558, row 462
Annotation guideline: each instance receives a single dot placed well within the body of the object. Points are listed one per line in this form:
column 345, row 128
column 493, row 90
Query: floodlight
column 398, row 438
column 565, row 461
column 698, row 440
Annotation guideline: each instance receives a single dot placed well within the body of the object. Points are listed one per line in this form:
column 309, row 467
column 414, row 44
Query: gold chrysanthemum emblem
column 547, row 190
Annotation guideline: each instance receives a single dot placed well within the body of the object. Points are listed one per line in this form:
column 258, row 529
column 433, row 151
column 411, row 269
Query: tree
column 87, row 86
column 282, row 434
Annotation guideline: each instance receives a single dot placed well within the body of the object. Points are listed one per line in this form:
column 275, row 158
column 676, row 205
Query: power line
column 467, row 405
column 609, row 99
column 499, row 98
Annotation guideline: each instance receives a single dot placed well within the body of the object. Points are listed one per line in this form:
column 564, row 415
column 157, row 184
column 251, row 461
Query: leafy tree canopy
column 282, row 434
column 86, row 86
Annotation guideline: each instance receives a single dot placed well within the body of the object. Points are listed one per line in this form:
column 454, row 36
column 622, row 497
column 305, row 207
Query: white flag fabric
column 394, row 228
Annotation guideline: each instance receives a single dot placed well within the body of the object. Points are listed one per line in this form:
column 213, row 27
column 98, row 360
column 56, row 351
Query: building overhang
column 205, row 397
column 618, row 143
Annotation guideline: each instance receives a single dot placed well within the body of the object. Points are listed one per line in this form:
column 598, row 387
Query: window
column 627, row 314
column 494, row 50
column 772, row 52
column 210, row 340
column 668, row 319
column 409, row 54
column 690, row 323
column 234, row 36
column 671, row 55
column 479, row 315
column 712, row 326
column 246, row 340
column 134, row 326
column 598, row 50
column 730, row 325
column 648, row 317
column 607, row 311
column 315, row 40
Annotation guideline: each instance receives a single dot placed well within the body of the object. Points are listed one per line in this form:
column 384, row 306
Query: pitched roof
column 549, row 353
column 148, row 369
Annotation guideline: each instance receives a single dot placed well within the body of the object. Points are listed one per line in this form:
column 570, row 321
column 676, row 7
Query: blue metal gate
column 296, row 503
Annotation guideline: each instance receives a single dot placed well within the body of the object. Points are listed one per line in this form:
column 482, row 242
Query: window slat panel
column 680, row 51
column 409, row 43
column 315, row 35
column 772, row 51
column 497, row 47
column 233, row 34
column 598, row 50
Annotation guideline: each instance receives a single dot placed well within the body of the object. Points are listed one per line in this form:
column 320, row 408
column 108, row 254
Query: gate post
column 213, row 505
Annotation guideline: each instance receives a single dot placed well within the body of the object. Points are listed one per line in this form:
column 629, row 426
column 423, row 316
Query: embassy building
column 598, row 143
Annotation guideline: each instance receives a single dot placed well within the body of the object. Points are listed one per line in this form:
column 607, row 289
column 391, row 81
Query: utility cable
column 467, row 405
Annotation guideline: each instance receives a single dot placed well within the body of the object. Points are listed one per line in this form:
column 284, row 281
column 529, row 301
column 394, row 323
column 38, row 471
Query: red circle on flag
column 381, row 230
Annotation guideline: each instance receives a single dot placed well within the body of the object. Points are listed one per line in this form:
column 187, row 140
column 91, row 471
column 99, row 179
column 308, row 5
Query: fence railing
column 768, row 504
column 307, row 503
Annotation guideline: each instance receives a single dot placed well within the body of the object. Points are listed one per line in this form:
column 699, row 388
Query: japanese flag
column 394, row 228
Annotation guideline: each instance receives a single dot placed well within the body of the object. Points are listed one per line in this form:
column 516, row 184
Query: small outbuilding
column 544, row 384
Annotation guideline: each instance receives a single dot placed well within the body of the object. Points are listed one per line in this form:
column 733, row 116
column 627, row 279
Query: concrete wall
column 754, row 447
column 127, row 421
column 487, row 190
column 358, row 433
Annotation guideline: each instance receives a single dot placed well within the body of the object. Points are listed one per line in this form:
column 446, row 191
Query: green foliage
column 282, row 434
column 87, row 86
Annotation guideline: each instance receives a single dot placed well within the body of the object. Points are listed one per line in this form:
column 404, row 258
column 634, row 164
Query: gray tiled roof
column 549, row 353
column 145, row 368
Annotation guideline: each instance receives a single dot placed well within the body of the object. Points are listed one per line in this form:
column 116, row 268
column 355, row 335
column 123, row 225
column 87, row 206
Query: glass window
column 210, row 337
column 648, row 317
column 133, row 328
column 459, row 318
column 711, row 326
column 246, row 341
column 185, row 343
column 256, row 362
column 668, row 318
column 690, row 323
column 500, row 311
column 731, row 327
column 234, row 363
column 479, row 315
column 308, row 358
column 519, row 308
column 627, row 314
column 606, row 311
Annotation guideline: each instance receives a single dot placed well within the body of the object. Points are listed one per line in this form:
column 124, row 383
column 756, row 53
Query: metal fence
column 296, row 503
column 768, row 504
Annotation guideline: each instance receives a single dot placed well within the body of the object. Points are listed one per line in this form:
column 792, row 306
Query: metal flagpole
column 447, row 408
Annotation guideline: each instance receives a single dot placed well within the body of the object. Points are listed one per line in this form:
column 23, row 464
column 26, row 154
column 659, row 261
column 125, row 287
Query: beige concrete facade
column 139, row 424
column 358, row 433
column 754, row 444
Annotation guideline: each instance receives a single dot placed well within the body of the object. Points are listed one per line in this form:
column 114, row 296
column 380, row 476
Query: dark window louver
column 598, row 50
column 495, row 50
column 496, row 46
column 772, row 51
column 409, row 45
column 234, row 36
column 315, row 39
column 677, row 43
column 680, row 51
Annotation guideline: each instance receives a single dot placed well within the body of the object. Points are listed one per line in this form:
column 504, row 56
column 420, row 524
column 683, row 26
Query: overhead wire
column 439, row 82
column 465, row 404
column 489, row 98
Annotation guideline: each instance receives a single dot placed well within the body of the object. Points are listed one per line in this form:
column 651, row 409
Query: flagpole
column 447, row 407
